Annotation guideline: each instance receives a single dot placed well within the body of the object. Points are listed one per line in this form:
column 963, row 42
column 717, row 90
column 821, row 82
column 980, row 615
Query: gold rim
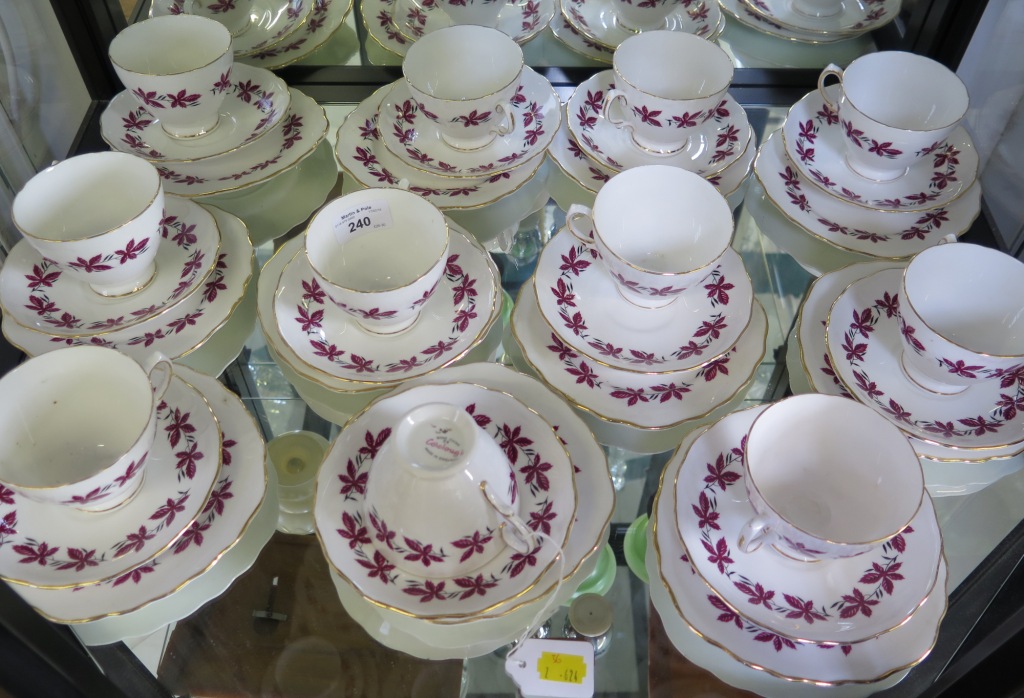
column 453, row 616
column 612, row 420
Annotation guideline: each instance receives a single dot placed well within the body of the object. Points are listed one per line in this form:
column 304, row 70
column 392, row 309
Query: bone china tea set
column 793, row 543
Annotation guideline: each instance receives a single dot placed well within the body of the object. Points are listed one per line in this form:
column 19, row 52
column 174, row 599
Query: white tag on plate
column 372, row 215
column 553, row 669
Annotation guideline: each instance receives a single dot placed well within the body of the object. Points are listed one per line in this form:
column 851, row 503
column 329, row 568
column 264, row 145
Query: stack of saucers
column 267, row 33
column 789, row 618
column 127, row 499
column 640, row 313
column 594, row 27
column 109, row 260
column 348, row 315
column 466, row 129
column 398, row 24
column 214, row 127
column 813, row 21
column 874, row 168
column 645, row 111
column 440, row 581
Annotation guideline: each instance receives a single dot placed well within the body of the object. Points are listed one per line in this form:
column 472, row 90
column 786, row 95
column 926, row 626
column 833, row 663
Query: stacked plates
column 589, row 150
column 812, row 21
column 593, row 27
column 765, row 622
column 814, row 207
column 478, row 612
column 337, row 366
column 954, row 463
column 397, row 24
column 279, row 32
column 640, row 376
column 188, row 532
column 204, row 264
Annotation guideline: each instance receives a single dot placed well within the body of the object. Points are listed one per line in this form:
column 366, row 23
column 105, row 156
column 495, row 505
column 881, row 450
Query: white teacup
column 179, row 68
column 895, row 108
column 440, row 478
column 379, row 254
column 77, row 425
column 960, row 313
column 667, row 84
column 643, row 15
column 464, row 79
column 235, row 15
column 98, row 217
column 827, row 478
column 659, row 230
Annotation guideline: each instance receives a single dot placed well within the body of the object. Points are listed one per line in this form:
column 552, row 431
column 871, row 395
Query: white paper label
column 553, row 669
column 372, row 215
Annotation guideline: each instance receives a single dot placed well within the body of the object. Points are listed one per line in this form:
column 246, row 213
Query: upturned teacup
column 235, row 15
column 379, row 255
column 960, row 315
column 667, row 84
column 464, row 79
column 658, row 230
column 97, row 216
column 179, row 68
column 77, row 425
column 895, row 108
column 827, row 478
column 440, row 478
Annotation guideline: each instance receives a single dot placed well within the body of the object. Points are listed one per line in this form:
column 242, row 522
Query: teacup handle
column 508, row 118
column 523, row 539
column 831, row 70
column 610, row 100
column 160, row 370
column 753, row 534
column 576, row 212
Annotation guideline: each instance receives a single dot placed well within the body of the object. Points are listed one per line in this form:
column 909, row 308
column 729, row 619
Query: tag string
column 542, row 614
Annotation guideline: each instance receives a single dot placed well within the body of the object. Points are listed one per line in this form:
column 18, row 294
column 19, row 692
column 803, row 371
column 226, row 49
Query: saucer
column 176, row 332
column 256, row 102
column 646, row 401
column 815, row 141
column 685, row 603
column 324, row 19
column 239, row 489
column 863, row 339
column 716, row 144
column 522, row 20
column 271, row 21
column 742, row 12
column 575, row 41
column 596, row 19
column 361, row 155
column 392, row 26
column 352, row 548
column 329, row 341
column 36, row 294
column 61, row 547
column 280, row 149
column 853, row 17
column 843, row 601
column 856, row 228
column 579, row 300
column 536, row 114
column 813, row 361
column 566, row 152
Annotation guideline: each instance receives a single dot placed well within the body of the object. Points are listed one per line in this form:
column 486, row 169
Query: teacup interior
column 673, row 65
column 970, row 295
column 169, row 45
column 86, row 196
column 63, row 421
column 463, row 62
column 905, row 91
column 834, row 469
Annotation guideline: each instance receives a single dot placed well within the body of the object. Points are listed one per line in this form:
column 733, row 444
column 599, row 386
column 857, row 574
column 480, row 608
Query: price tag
column 372, row 215
column 553, row 669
